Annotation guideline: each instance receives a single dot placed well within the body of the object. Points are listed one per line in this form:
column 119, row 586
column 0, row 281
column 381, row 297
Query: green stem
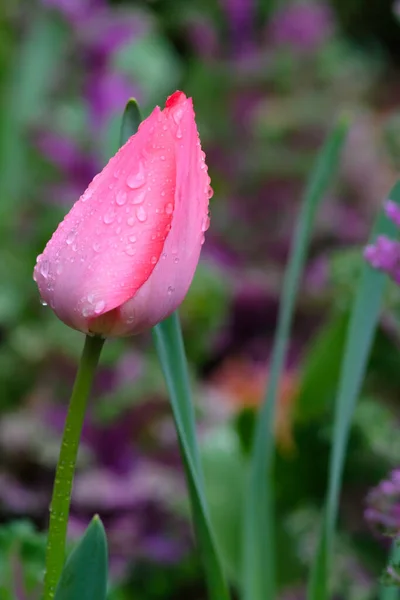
column 61, row 499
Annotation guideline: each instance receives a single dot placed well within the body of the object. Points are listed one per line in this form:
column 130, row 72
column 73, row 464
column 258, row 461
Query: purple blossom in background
column 384, row 253
column 304, row 26
column 77, row 167
column 75, row 11
column 107, row 93
column 241, row 19
column 383, row 506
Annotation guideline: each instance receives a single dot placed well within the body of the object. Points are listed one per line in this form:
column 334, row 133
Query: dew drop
column 209, row 192
column 70, row 237
column 109, row 217
column 121, row 197
column 169, row 208
column 132, row 238
column 170, row 290
column 205, row 223
column 179, row 133
column 87, row 195
column 130, row 250
column 96, row 246
column 59, row 268
column 99, row 306
column 163, row 255
column 131, row 221
column 176, row 260
column 86, row 311
column 138, row 197
column 44, row 268
column 141, row 214
column 42, row 302
column 136, row 180
column 153, row 260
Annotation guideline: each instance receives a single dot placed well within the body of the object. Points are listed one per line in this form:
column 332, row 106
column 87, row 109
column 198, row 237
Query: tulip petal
column 110, row 242
column 168, row 284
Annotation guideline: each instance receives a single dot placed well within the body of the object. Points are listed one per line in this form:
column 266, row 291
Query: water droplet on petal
column 109, row 217
column 209, row 192
column 205, row 223
column 44, row 268
column 130, row 250
column 59, row 268
column 170, row 289
column 169, row 208
column 176, row 260
column 138, row 197
column 163, row 255
column 179, row 133
column 132, row 238
column 70, row 237
column 86, row 311
column 42, row 302
column 141, row 214
column 131, row 221
column 96, row 246
column 153, row 260
column 121, row 197
column 99, row 306
column 136, row 180
column 86, row 195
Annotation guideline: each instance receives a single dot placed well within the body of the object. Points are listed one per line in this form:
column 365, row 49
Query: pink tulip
column 124, row 256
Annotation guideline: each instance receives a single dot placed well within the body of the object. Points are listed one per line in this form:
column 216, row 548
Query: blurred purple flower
column 77, row 167
column 202, row 36
column 75, row 11
column 241, row 20
column 384, row 253
column 383, row 506
column 107, row 93
column 304, row 26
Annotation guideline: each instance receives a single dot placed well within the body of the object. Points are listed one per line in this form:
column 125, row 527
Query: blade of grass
column 131, row 120
column 169, row 344
column 258, row 581
column 363, row 321
column 391, row 592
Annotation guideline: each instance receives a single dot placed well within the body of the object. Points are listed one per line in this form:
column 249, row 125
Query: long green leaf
column 363, row 321
column 391, row 592
column 169, row 344
column 84, row 576
column 131, row 120
column 258, row 580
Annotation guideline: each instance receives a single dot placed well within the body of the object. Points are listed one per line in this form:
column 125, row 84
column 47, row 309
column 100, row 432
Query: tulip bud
column 123, row 258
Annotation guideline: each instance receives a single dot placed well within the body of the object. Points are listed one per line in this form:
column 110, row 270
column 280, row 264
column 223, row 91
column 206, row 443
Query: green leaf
column 224, row 472
column 320, row 371
column 258, row 579
column 391, row 592
column 363, row 322
column 169, row 344
column 84, row 576
column 131, row 120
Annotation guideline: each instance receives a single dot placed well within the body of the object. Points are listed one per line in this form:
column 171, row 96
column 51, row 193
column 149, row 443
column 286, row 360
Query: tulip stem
column 61, row 499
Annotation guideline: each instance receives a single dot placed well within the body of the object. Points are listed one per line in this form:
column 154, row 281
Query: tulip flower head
column 124, row 256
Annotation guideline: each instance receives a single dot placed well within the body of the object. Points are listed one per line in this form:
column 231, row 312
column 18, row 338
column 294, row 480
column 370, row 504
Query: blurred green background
column 268, row 79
